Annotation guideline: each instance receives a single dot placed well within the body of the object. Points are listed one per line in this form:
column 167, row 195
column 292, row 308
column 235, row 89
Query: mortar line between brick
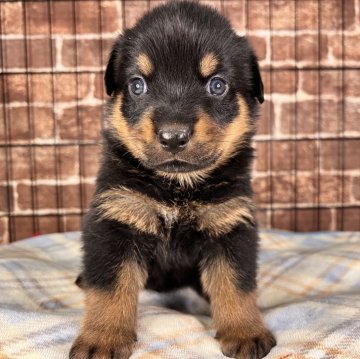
column 280, row 66
column 8, row 170
column 32, row 153
column 112, row 35
column 56, row 157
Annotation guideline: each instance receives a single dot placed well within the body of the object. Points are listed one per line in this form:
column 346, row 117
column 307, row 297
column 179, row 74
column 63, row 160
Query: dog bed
column 309, row 292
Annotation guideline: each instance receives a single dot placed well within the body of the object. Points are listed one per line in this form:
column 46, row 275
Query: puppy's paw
column 252, row 347
column 102, row 347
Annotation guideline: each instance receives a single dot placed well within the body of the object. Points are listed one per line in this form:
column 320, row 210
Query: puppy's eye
column 216, row 86
column 138, row 86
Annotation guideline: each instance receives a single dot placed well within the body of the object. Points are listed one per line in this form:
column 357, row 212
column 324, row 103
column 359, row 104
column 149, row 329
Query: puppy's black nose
column 174, row 140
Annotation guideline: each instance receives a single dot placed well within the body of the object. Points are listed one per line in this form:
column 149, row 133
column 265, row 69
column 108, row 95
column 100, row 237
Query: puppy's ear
column 257, row 84
column 252, row 73
column 112, row 75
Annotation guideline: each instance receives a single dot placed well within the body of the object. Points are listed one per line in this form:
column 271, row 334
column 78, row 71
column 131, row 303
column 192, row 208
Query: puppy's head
column 184, row 90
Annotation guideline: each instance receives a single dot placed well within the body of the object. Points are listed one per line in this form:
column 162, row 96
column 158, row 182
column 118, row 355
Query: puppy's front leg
column 108, row 327
column 236, row 317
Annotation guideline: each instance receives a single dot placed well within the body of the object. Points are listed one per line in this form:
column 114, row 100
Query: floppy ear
column 110, row 73
column 111, row 77
column 247, row 56
column 257, row 84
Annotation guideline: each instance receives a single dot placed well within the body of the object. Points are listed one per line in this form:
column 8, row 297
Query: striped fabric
column 309, row 290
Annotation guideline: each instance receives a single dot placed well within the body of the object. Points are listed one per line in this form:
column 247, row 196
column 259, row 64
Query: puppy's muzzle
column 174, row 140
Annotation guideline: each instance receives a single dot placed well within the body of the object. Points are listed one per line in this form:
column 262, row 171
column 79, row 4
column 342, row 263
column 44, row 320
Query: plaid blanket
column 309, row 291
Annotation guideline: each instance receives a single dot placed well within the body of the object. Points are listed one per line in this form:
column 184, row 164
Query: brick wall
column 53, row 53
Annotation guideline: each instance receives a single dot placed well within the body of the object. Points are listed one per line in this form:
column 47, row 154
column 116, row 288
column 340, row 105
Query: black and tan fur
column 173, row 203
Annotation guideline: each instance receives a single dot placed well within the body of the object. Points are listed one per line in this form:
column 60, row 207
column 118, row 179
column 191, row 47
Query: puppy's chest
column 162, row 219
column 182, row 214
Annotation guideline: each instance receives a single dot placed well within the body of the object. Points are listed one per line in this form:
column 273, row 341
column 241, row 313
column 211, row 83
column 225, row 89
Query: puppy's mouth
column 192, row 159
column 176, row 165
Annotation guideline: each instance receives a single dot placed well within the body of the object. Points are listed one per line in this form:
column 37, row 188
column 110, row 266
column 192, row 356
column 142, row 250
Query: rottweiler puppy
column 173, row 203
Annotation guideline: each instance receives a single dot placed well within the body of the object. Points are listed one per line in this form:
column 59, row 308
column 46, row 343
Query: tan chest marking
column 149, row 216
column 136, row 210
column 220, row 218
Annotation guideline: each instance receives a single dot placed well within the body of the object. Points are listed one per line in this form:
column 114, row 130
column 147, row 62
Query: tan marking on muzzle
column 145, row 128
column 206, row 129
column 228, row 140
column 229, row 137
column 133, row 137
column 233, row 135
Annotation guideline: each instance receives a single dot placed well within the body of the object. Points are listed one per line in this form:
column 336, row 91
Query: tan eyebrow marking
column 208, row 64
column 146, row 67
